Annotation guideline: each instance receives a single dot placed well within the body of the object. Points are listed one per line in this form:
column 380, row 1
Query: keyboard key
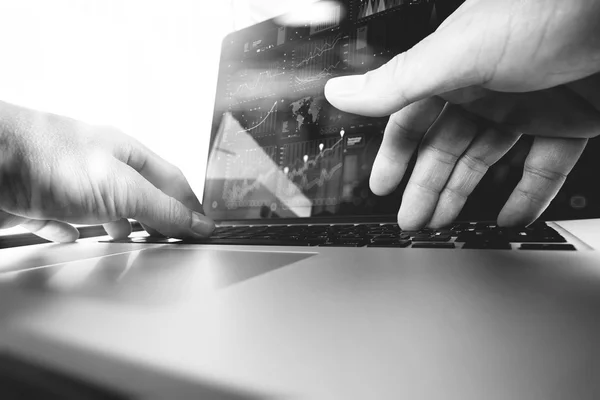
column 343, row 244
column 383, row 235
column 433, row 245
column 386, row 239
column 395, row 243
column 411, row 233
column 443, row 237
column 423, row 238
column 431, row 238
column 350, row 236
column 282, row 237
column 470, row 236
column 359, row 242
column 485, row 225
column 547, row 246
column 487, row 245
column 537, row 239
column 317, row 242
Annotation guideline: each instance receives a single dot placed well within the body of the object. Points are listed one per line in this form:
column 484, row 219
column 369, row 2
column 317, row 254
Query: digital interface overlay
column 280, row 150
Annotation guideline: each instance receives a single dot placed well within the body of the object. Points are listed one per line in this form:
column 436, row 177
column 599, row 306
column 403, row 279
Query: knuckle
column 425, row 186
column 544, row 174
column 474, row 163
column 115, row 139
column 460, row 191
column 441, row 155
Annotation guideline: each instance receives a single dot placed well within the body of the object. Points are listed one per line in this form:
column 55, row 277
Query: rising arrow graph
column 305, row 183
column 324, row 177
column 261, row 78
column 261, row 122
column 319, row 51
column 323, row 74
column 312, row 163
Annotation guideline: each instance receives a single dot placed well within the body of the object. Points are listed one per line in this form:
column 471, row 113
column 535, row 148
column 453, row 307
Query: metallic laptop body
column 156, row 318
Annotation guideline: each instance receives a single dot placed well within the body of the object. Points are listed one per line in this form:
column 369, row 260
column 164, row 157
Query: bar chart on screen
column 367, row 8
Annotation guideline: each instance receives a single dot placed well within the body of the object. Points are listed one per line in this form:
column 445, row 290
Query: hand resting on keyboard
column 55, row 171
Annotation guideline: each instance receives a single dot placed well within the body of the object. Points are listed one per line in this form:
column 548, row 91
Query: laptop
column 308, row 289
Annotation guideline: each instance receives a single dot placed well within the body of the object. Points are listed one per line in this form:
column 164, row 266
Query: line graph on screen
column 319, row 59
column 314, row 167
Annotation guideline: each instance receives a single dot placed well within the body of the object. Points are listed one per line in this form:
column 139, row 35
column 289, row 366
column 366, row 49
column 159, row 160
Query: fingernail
column 202, row 225
column 345, row 86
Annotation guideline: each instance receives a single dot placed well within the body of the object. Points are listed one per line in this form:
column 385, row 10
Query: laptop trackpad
column 153, row 276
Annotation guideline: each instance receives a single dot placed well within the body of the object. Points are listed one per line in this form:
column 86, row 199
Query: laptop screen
column 279, row 150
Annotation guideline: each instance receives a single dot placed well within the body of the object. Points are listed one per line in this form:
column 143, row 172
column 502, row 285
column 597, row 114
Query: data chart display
column 279, row 148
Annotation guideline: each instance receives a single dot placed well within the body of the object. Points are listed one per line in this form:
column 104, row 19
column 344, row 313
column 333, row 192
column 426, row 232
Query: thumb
column 407, row 78
column 511, row 46
column 151, row 207
column 436, row 65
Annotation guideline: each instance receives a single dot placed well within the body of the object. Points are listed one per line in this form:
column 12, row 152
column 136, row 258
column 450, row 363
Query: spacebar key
column 247, row 242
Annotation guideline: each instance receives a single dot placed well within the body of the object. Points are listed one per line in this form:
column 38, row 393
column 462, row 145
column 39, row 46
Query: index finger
column 162, row 174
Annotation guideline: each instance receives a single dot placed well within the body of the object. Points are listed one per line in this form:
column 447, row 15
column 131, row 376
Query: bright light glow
column 304, row 14
column 147, row 67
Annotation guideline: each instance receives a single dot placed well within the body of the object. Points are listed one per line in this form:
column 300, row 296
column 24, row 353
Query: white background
column 147, row 67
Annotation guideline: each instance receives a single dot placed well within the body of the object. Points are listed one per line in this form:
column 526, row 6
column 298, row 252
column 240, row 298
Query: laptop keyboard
column 474, row 235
